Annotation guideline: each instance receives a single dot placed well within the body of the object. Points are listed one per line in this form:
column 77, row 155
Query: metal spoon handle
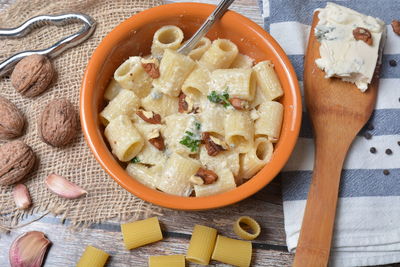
column 36, row 22
column 217, row 13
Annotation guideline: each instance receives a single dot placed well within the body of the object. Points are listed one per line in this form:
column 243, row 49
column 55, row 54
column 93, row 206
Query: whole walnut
column 16, row 161
column 32, row 75
column 59, row 123
column 11, row 120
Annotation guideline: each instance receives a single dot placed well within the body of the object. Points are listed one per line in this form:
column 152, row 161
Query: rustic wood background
column 266, row 207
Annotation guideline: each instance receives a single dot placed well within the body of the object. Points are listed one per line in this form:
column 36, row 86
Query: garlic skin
column 21, row 197
column 28, row 250
column 62, row 187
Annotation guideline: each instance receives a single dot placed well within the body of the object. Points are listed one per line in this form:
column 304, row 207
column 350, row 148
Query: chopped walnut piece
column 239, row 104
column 158, row 142
column 196, row 180
column 396, row 26
column 183, row 105
column 213, row 145
column 151, row 67
column 149, row 116
column 363, row 35
column 208, row 176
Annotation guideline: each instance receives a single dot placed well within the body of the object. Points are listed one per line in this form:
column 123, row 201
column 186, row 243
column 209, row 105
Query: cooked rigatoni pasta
column 112, row 90
column 196, row 83
column 239, row 83
column 212, row 118
column 193, row 125
column 242, row 62
column 232, row 251
column 124, row 139
column 225, row 182
column 177, row 173
column 131, row 75
column 239, row 130
column 249, row 222
column 125, row 103
column 268, row 80
column 148, row 176
column 93, row 257
column 227, row 159
column 220, row 55
column 174, row 69
column 270, row 119
column 167, row 37
column 160, row 103
column 201, row 244
column 140, row 233
column 256, row 158
column 167, row 261
column 200, row 48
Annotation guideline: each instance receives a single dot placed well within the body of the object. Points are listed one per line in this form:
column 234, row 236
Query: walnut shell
column 59, row 123
column 32, row 75
column 16, row 161
column 11, row 120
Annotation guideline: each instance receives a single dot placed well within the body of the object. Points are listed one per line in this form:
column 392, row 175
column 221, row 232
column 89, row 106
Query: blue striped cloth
column 367, row 230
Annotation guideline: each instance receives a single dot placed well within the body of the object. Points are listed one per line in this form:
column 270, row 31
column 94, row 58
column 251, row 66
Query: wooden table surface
column 266, row 207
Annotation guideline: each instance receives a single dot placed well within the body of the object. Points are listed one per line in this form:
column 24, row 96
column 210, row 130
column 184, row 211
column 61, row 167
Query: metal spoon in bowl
column 215, row 15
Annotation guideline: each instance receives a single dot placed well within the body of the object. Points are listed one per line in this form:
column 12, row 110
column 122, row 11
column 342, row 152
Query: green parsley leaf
column 135, row 160
column 197, row 125
column 190, row 142
column 219, row 98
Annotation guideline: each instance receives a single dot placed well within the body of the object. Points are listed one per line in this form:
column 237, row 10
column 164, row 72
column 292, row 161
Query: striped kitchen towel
column 367, row 230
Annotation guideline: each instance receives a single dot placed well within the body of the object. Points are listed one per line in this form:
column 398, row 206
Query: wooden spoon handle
column 316, row 232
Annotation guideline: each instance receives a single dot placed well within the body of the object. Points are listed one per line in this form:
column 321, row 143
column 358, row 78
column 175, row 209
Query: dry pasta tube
column 167, row 37
column 232, row 251
column 250, row 222
column 140, row 233
column 93, row 257
column 201, row 244
column 164, row 261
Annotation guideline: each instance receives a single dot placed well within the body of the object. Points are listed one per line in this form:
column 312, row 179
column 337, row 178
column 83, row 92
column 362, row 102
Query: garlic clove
column 62, row 187
column 21, row 196
column 28, row 249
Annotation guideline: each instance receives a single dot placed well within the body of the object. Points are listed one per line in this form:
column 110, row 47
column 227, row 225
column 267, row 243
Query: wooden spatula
column 338, row 111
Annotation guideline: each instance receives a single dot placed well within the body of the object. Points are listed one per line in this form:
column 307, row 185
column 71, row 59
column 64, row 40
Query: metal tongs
column 36, row 22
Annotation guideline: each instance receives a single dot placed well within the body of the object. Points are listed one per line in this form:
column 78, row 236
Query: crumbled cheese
column 341, row 54
column 156, row 94
column 254, row 114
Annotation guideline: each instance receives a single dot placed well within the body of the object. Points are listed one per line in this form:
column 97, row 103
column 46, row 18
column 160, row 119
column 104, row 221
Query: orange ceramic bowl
column 134, row 37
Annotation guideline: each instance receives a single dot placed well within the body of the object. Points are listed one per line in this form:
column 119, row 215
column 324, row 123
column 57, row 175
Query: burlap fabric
column 105, row 199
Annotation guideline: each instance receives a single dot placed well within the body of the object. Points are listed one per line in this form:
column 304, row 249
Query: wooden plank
column 68, row 246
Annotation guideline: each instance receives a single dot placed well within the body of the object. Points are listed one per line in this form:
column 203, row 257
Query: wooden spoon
column 338, row 111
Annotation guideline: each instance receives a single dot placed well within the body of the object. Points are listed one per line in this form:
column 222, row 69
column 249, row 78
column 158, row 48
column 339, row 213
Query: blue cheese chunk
column 341, row 54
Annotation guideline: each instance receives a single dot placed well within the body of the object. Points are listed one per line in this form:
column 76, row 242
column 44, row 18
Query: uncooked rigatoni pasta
column 201, row 244
column 167, row 261
column 193, row 125
column 93, row 257
column 242, row 232
column 140, row 233
column 232, row 251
